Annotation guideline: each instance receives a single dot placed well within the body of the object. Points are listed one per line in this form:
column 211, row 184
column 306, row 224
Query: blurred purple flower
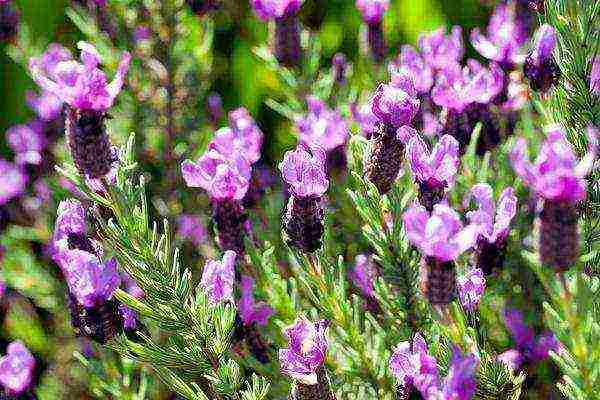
column 70, row 220
column 12, row 181
column 372, row 10
column 461, row 381
column 396, row 103
column 540, row 67
column 243, row 137
column 304, row 170
column 440, row 50
column 306, row 352
column 27, row 142
column 364, row 117
column 9, row 21
column 16, row 369
column 214, row 106
column 322, row 127
column 595, row 77
column 250, row 311
column 142, row 33
column 47, row 106
column 130, row 317
column 471, row 287
column 218, row 277
column 339, row 65
column 364, row 274
column 192, row 228
column 411, row 63
column 275, row 9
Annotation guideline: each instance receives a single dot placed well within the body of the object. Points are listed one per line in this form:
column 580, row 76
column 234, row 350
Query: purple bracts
column 372, row 14
column 12, row 181
column 192, row 229
column 16, row 369
column 471, row 287
column 396, row 103
column 411, row 63
column 322, row 127
column 218, row 278
column 250, row 311
column 27, row 142
column 540, row 67
column 440, row 50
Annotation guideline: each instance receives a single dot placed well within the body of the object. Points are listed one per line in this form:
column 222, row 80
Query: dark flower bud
column 559, row 235
column 303, row 223
column 540, row 67
column 9, row 21
column 287, row 41
column 100, row 323
column 230, row 216
column 440, row 283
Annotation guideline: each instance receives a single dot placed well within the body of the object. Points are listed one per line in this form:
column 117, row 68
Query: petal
column 417, row 154
column 415, row 219
column 521, row 164
column 484, row 46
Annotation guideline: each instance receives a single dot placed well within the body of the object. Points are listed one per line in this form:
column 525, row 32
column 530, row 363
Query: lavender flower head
column 540, row 67
column 411, row 63
column 218, row 278
column 250, row 311
column 372, row 10
column 595, row 77
column 471, row 287
column 192, row 228
column 322, row 127
column 16, row 369
column 396, row 103
column 243, row 137
column 27, row 142
column 223, row 177
column 81, row 85
column 440, row 50
column 12, row 181
column 275, row 9
column 304, row 170
column 494, row 221
column 364, row 274
column 439, row 235
column 306, row 352
column 506, row 35
column 130, row 317
column 556, row 174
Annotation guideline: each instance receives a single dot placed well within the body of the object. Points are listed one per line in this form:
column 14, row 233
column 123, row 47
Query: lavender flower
column 27, row 142
column 192, row 228
column 214, row 106
column 363, row 275
column 130, row 318
column 16, row 369
column 12, row 181
column 339, row 66
column 243, row 137
column 559, row 179
column 372, row 14
column 304, row 360
column 9, row 21
column 287, row 27
column 250, row 311
column 540, row 67
column 218, row 277
column 434, row 172
column 304, row 171
column 441, row 238
column 322, row 127
column 440, row 50
column 364, row 117
column 471, row 287
column 395, row 104
column 529, row 347
column 411, row 63
column 47, row 106
column 595, row 77
column 85, row 89
column 506, row 35
column 494, row 224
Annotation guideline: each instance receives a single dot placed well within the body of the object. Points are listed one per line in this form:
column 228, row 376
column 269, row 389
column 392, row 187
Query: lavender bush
column 367, row 227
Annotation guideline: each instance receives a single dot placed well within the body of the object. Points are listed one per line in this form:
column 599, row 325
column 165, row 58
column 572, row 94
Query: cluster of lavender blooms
column 17, row 370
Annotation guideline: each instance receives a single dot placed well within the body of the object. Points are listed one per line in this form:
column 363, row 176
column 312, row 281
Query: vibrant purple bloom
column 223, row 177
column 304, row 170
column 47, row 106
column 372, row 10
column 275, row 9
column 12, row 181
column 396, row 103
column 494, row 222
column 27, row 142
column 364, row 274
column 595, row 77
column 544, row 44
column 243, row 137
column 440, row 50
column 322, row 127
column 540, row 67
column 70, row 220
column 436, row 168
column 364, row 117
column 218, row 277
column 556, row 175
column 461, row 382
column 506, row 35
column 413, row 366
column 81, row 85
column 16, row 369
column 250, row 311
column 470, row 289
column 306, row 352
column 192, row 228
column 411, row 63
column 512, row 359
column 439, row 235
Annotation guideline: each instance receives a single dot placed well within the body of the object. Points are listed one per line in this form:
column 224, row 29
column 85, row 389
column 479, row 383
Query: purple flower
column 436, row 168
column 506, row 35
column 304, row 170
column 512, row 359
column 12, row 181
column 461, row 382
column 364, row 117
column 540, row 67
column 494, row 222
column 339, row 66
column 70, row 220
column 142, row 33
column 411, row 63
column 439, row 50
column 322, row 127
column 439, row 235
column 595, row 77
column 275, row 9
column 243, row 137
column 81, row 85
column 470, row 289
column 413, row 366
column 223, row 177
column 47, row 106
column 372, row 10
column 556, row 175
column 218, row 277
column 214, row 105
column 16, row 369
column 27, row 142
column 192, row 228
column 306, row 352
column 363, row 275
column 544, row 44
column 396, row 103
column 250, row 311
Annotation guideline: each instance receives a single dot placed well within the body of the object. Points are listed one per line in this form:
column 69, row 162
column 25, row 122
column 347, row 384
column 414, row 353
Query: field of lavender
column 300, row 199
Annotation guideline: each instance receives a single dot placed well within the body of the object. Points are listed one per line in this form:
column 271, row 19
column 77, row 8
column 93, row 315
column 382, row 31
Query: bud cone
column 541, row 77
column 303, row 223
column 559, row 235
column 376, row 42
column 457, row 124
column 440, row 284
column 287, row 41
column 89, row 142
column 386, row 156
column 229, row 216
column 490, row 256
column 100, row 324
column 320, row 391
column 430, row 195
column 80, row 242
